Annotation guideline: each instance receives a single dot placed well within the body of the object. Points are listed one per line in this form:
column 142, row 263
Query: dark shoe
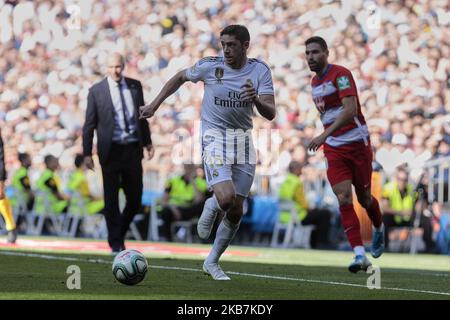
column 12, row 236
column 116, row 249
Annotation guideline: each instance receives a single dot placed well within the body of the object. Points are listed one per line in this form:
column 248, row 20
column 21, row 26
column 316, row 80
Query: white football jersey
column 221, row 107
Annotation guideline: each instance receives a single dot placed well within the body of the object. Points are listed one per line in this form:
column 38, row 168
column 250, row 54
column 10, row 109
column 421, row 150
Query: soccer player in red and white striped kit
column 347, row 149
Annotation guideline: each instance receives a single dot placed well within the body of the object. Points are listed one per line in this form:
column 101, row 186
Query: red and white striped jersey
column 327, row 92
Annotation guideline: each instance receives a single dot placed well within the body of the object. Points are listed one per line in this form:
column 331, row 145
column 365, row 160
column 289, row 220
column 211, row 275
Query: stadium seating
column 406, row 239
column 443, row 237
column 74, row 217
column 264, row 214
column 295, row 234
column 150, row 199
column 184, row 230
column 36, row 219
column 20, row 203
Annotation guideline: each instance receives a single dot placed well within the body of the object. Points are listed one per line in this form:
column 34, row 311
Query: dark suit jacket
column 100, row 117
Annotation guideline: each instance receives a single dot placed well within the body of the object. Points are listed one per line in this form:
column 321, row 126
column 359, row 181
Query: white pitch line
column 50, row 257
column 334, row 283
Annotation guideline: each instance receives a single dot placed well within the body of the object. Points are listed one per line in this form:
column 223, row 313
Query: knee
column 226, row 200
column 237, row 209
column 344, row 198
column 365, row 201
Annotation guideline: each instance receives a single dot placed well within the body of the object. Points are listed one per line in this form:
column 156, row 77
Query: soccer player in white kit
column 233, row 84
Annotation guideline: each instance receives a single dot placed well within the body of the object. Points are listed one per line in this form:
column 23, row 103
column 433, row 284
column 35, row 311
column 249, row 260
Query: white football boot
column 214, row 270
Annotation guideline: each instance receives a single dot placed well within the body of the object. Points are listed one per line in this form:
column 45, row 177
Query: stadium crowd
column 398, row 51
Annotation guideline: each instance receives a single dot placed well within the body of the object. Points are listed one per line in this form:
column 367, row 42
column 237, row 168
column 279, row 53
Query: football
column 130, row 267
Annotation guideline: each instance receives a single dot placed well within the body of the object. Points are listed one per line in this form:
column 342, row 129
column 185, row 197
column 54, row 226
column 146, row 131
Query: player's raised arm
column 169, row 88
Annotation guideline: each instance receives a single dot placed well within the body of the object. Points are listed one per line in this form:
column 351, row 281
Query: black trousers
column 122, row 169
column 321, row 219
column 187, row 213
column 425, row 223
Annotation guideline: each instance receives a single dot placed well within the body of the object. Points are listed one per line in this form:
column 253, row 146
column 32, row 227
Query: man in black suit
column 121, row 137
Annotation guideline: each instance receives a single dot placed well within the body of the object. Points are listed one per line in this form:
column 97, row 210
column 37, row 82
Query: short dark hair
column 402, row 169
column 48, row 158
column 294, row 165
column 23, row 156
column 79, row 160
column 316, row 39
column 240, row 32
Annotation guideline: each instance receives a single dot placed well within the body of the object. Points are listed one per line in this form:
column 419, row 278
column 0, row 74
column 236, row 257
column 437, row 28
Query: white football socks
column 224, row 235
column 359, row 251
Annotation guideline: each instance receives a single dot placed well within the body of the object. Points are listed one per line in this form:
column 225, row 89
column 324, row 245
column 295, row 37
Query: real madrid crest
column 219, row 75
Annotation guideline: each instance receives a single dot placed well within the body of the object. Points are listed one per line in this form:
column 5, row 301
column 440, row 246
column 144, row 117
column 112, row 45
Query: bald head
column 115, row 66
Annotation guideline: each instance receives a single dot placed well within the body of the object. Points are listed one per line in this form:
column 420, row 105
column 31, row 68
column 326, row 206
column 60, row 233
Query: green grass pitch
column 269, row 274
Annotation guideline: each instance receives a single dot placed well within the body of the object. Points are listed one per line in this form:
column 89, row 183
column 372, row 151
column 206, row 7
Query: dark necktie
column 124, row 107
